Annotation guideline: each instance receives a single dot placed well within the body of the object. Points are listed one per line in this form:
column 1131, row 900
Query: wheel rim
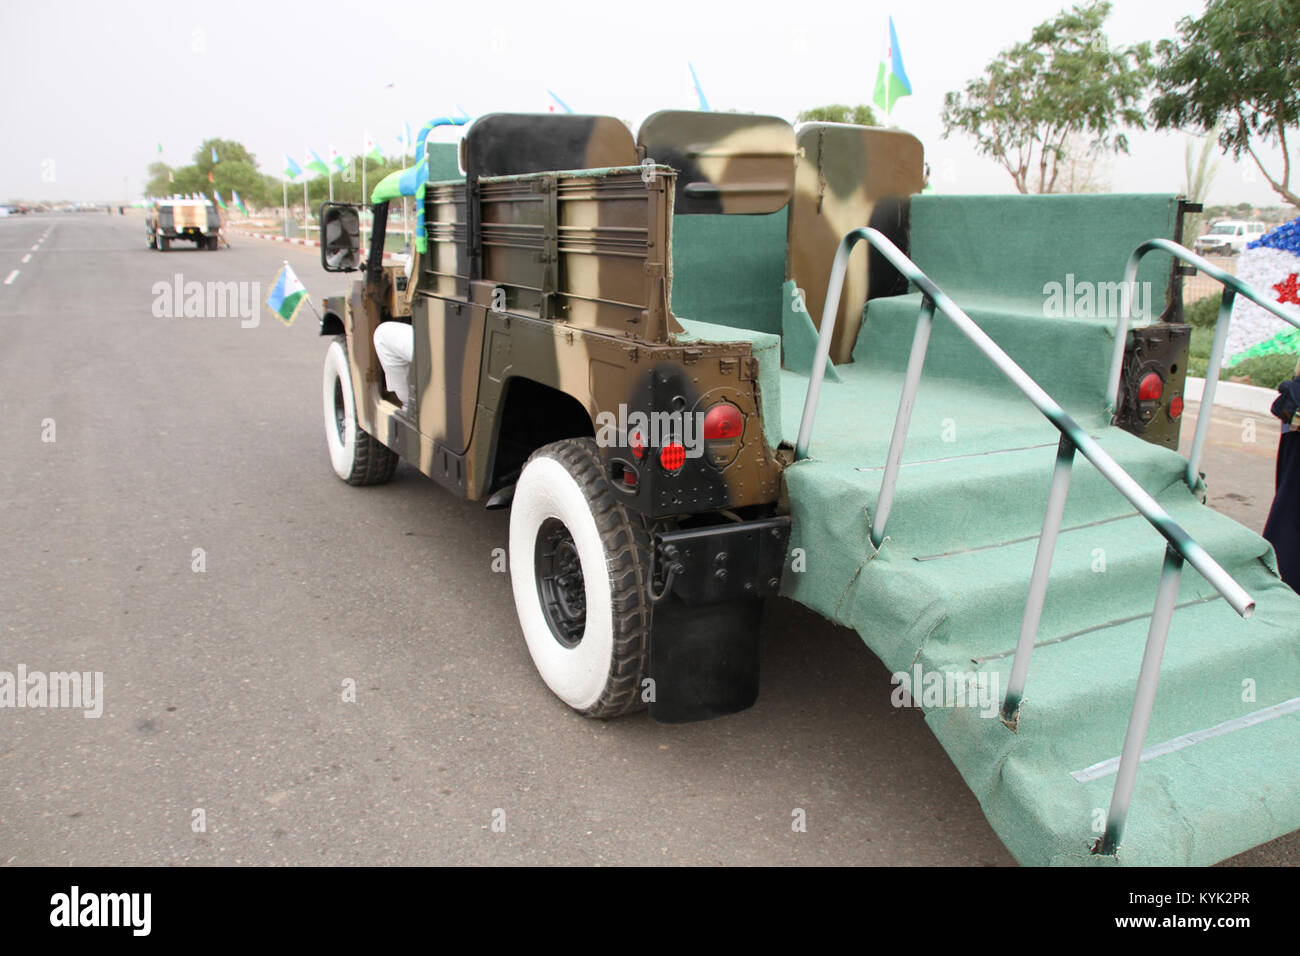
column 340, row 411
column 561, row 587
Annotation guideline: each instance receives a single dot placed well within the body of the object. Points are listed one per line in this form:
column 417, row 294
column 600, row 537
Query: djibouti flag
column 287, row 296
column 891, row 78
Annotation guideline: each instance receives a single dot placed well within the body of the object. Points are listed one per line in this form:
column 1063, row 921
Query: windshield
column 1222, row 230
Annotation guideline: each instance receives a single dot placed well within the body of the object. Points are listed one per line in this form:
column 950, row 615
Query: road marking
column 1107, row 767
column 35, row 247
column 27, row 258
column 12, row 276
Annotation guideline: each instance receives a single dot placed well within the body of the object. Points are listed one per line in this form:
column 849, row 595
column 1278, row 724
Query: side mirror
column 340, row 242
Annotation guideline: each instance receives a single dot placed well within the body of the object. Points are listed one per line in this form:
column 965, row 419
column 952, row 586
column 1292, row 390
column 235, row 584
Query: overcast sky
column 91, row 89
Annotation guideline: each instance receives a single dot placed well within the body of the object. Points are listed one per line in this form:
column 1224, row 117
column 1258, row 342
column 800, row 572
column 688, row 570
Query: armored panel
column 446, row 267
column 725, row 162
column 587, row 248
column 848, row 176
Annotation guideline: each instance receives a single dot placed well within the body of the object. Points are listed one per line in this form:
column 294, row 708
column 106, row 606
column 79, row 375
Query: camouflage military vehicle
column 627, row 341
column 190, row 220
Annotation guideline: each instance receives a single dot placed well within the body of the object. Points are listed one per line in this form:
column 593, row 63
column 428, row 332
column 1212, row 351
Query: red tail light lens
column 672, row 456
column 1150, row 388
column 637, row 444
column 1176, row 407
column 723, row 420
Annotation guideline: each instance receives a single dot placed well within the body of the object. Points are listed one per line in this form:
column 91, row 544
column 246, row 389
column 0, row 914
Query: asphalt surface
column 224, row 688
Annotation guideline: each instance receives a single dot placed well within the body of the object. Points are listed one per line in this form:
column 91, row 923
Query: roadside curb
column 1244, row 398
column 263, row 235
column 294, row 242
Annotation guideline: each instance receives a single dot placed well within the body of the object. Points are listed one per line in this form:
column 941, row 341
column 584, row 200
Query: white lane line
column 1107, row 767
column 27, row 258
column 35, row 247
column 12, row 276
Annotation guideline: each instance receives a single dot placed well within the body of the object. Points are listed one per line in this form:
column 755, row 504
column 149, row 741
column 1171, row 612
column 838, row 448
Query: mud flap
column 704, row 659
column 705, row 630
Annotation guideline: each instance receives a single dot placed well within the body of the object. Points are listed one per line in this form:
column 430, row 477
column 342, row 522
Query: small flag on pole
column 160, row 149
column 216, row 194
column 287, row 295
column 291, row 169
column 371, row 149
column 211, row 179
column 316, row 164
column 699, row 91
column 239, row 203
column 891, row 79
column 214, row 155
column 556, row 101
column 336, row 161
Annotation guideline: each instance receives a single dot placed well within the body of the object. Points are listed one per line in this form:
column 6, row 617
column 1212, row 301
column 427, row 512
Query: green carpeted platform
column 945, row 593
column 947, row 589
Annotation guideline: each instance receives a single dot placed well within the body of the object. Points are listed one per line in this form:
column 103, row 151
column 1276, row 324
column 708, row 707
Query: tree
column 1065, row 80
column 839, row 113
column 1200, row 174
column 160, row 180
column 1238, row 65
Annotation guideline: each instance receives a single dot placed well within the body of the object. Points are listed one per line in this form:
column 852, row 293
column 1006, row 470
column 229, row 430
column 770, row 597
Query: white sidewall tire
column 342, row 451
column 577, row 675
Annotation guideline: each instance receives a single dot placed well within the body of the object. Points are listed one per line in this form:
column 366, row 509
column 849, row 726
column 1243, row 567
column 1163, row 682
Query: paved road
column 224, row 687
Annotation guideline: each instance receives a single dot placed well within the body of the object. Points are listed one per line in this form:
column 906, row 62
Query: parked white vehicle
column 1229, row 237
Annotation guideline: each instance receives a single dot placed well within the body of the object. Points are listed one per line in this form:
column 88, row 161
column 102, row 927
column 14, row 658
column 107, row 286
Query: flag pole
column 284, row 209
column 363, row 195
column 306, row 294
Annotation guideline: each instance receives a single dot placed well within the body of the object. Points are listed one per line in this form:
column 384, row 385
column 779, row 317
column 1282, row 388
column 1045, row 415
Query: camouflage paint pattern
column 845, row 177
column 560, row 280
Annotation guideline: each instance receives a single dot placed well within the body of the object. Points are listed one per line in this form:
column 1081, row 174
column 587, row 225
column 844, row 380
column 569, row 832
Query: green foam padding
column 946, row 591
column 766, row 350
column 799, row 335
column 444, row 163
column 1010, row 247
column 729, row 269
column 1070, row 358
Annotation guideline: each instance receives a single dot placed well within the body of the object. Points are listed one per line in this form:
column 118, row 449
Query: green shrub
column 1266, row 371
column 1203, row 312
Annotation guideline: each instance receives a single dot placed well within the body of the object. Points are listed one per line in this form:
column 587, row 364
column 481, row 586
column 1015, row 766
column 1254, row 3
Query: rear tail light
column 724, row 424
column 723, row 420
column 672, row 456
column 1176, row 407
column 1150, row 388
column 637, row 444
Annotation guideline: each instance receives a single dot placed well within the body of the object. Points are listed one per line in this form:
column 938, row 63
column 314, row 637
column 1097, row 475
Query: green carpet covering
column 728, row 270
column 946, row 591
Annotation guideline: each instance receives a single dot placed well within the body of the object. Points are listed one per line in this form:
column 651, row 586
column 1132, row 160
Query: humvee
column 193, row 220
column 614, row 337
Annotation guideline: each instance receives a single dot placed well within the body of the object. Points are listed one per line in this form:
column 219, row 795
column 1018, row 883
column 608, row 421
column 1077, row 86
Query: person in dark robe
column 1282, row 530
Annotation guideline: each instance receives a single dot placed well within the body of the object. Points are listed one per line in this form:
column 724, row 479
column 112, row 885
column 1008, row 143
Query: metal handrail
column 1233, row 286
column 1180, row 545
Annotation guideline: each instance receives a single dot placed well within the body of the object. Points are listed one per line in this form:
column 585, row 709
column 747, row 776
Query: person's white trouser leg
column 395, row 344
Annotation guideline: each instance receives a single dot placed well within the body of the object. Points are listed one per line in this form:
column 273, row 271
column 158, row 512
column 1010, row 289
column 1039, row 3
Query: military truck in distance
column 618, row 339
column 191, row 220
